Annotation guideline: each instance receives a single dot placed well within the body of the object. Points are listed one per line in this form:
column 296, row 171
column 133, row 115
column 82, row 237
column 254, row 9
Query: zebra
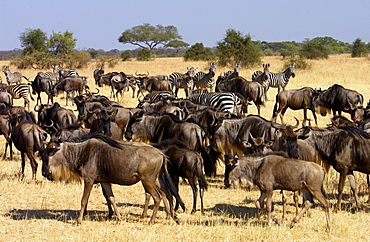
column 223, row 101
column 262, row 78
column 54, row 77
column 20, row 91
column 62, row 74
column 184, row 81
column 235, row 73
column 13, row 78
column 205, row 80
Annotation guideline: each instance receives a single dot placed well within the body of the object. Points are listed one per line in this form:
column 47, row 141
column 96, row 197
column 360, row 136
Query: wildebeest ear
column 269, row 144
column 246, row 144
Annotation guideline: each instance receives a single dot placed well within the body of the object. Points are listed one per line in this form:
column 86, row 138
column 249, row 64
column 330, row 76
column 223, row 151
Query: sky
column 98, row 24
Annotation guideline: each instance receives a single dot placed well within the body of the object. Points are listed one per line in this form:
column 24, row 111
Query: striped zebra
column 235, row 72
column 223, row 101
column 20, row 91
column 262, row 78
column 204, row 80
column 62, row 74
column 280, row 80
column 13, row 78
column 54, row 77
column 184, row 81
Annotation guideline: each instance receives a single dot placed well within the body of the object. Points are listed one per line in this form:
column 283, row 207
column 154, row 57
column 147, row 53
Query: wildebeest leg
column 176, row 180
column 153, row 190
column 146, row 205
column 269, row 206
column 193, row 185
column 284, row 199
column 108, row 194
column 307, row 204
column 34, row 165
column 368, row 187
column 342, row 179
column 228, row 168
column 85, row 197
column 314, row 116
column 23, row 164
column 320, row 196
column 296, row 202
column 352, row 183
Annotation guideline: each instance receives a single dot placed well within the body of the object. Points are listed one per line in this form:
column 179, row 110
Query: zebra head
column 290, row 71
column 237, row 67
column 191, row 72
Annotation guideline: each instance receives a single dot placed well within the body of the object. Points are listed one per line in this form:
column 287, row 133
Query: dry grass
column 43, row 210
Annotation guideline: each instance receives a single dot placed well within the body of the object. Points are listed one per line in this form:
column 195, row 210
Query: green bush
column 314, row 50
column 143, row 55
column 198, row 52
column 126, row 55
column 300, row 63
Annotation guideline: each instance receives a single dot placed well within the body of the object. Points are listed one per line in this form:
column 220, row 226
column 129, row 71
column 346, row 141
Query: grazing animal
column 204, row 80
column 338, row 99
column 71, row 85
column 13, row 78
column 20, row 91
column 187, row 164
column 41, row 84
column 98, row 73
column 251, row 91
column 6, row 129
column 262, row 78
column 280, row 80
column 184, row 81
column 273, row 172
column 123, row 163
column 226, row 102
column 235, row 73
column 28, row 138
column 295, row 99
column 6, row 97
column 346, row 149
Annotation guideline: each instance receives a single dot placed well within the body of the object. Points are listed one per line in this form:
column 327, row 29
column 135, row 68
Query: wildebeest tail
column 200, row 174
column 209, row 161
column 260, row 95
column 168, row 186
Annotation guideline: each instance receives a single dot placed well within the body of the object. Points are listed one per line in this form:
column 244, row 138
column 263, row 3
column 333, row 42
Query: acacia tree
column 61, row 44
column 235, row 48
column 148, row 36
column 33, row 40
column 177, row 45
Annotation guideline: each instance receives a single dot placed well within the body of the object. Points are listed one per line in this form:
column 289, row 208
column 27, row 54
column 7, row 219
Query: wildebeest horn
column 51, row 125
column 277, row 126
column 250, row 134
column 36, row 108
column 136, row 73
column 297, row 123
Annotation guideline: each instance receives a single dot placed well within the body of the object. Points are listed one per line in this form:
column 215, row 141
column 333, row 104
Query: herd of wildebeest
column 166, row 137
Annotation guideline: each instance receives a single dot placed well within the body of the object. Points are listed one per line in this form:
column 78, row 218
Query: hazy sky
column 98, row 24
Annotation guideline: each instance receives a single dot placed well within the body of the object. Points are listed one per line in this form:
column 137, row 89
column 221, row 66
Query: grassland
column 45, row 211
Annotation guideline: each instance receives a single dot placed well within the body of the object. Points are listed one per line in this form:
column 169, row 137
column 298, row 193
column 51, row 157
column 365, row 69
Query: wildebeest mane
column 98, row 136
column 355, row 131
column 169, row 142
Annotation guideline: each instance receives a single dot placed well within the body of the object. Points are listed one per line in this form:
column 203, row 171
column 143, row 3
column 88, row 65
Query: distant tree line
column 42, row 51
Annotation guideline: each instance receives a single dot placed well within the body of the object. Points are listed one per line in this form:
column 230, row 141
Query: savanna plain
column 42, row 210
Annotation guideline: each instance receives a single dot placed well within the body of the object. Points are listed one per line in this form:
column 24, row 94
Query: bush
column 143, row 55
column 314, row 50
column 300, row 63
column 126, row 55
column 359, row 48
column 198, row 52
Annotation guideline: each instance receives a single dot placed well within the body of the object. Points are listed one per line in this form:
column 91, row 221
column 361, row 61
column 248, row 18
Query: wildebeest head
column 287, row 140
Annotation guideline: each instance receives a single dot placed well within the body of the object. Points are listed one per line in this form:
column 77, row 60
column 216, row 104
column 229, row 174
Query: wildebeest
column 39, row 85
column 233, row 136
column 54, row 117
column 120, row 83
column 28, row 138
column 6, row 97
column 123, row 163
column 70, row 85
column 153, row 128
column 187, row 164
column 5, row 129
column 251, row 91
column 295, row 99
column 338, row 99
column 346, row 149
column 273, row 172
column 68, row 133
column 98, row 72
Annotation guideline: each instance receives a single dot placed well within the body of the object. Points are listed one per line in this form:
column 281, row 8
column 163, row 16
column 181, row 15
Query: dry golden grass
column 45, row 211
